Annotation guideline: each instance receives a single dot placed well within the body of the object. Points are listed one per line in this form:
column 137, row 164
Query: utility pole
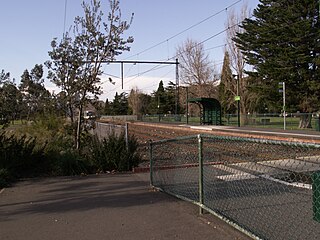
column 237, row 98
column 187, row 108
column 177, row 88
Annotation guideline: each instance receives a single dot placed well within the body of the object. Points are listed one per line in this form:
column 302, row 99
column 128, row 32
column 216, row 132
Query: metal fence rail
column 265, row 188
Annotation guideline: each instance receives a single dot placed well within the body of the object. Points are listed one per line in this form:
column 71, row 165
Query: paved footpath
column 120, row 206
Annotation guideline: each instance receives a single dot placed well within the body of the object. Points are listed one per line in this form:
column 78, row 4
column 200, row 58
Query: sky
column 28, row 27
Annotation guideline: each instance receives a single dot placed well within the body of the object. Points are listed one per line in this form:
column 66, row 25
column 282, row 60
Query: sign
column 237, row 98
column 280, row 86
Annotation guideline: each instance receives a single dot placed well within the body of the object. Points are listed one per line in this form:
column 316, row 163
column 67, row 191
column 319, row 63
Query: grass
column 269, row 122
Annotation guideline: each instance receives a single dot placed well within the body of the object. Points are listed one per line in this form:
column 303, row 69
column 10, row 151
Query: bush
column 70, row 163
column 5, row 178
column 44, row 128
column 21, row 156
column 113, row 154
column 54, row 154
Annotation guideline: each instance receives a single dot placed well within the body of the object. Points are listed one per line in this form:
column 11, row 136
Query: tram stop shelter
column 210, row 110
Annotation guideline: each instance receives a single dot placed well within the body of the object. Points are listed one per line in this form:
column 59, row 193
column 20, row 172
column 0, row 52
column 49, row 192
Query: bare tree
column 136, row 101
column 239, row 85
column 196, row 69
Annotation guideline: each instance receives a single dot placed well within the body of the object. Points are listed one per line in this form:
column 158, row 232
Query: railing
column 267, row 189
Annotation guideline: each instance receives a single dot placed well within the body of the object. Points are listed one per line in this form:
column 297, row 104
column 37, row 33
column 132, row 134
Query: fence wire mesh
column 103, row 130
column 174, row 167
column 270, row 189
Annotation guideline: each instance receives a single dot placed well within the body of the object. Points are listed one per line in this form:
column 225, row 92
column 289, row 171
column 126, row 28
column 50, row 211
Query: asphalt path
column 119, row 206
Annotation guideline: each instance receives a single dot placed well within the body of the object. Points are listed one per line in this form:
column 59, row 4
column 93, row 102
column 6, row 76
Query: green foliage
column 281, row 42
column 170, row 98
column 21, row 156
column 47, row 149
column 37, row 99
column 113, row 154
column 45, row 128
column 4, row 77
column 5, row 178
column 70, row 163
column 76, row 60
column 120, row 105
column 227, row 87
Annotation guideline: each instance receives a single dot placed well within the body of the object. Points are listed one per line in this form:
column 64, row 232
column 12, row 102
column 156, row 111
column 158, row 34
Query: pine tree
column 159, row 98
column 170, row 98
column 227, row 87
column 281, row 42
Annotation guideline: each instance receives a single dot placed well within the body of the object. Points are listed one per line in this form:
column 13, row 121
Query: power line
column 187, row 29
column 207, row 39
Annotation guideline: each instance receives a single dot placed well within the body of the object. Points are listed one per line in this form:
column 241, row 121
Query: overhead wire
column 185, row 30
column 218, row 46
column 133, row 77
column 175, row 35
column 205, row 40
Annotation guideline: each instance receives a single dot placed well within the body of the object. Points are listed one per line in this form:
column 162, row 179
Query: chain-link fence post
column 151, row 163
column 200, row 144
column 316, row 195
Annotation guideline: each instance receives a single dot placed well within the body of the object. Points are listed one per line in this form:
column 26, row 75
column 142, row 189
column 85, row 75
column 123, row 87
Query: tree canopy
column 75, row 64
column 281, row 42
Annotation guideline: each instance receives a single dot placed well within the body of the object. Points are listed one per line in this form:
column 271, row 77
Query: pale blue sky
column 28, row 26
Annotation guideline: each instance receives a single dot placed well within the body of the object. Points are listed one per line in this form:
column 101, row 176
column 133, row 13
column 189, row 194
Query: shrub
column 112, row 153
column 70, row 163
column 21, row 156
column 5, row 178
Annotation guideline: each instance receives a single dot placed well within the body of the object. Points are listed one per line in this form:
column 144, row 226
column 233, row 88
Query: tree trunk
column 79, row 128
column 71, row 114
column 305, row 121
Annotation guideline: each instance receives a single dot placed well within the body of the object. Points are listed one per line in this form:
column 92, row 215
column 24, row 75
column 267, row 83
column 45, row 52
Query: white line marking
column 227, row 128
column 235, row 177
column 293, row 184
column 242, row 175
column 274, row 133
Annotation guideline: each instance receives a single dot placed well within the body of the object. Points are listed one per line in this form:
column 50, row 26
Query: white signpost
column 282, row 88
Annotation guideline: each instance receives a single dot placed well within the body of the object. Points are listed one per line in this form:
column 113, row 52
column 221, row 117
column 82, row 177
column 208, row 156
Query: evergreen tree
column 10, row 98
column 160, row 98
column 37, row 98
column 120, row 104
column 107, row 108
column 170, row 98
column 281, row 42
column 4, row 77
column 227, row 87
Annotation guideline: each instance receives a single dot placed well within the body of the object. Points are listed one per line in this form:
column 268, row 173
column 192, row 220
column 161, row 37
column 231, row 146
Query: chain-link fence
column 268, row 189
column 103, row 130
